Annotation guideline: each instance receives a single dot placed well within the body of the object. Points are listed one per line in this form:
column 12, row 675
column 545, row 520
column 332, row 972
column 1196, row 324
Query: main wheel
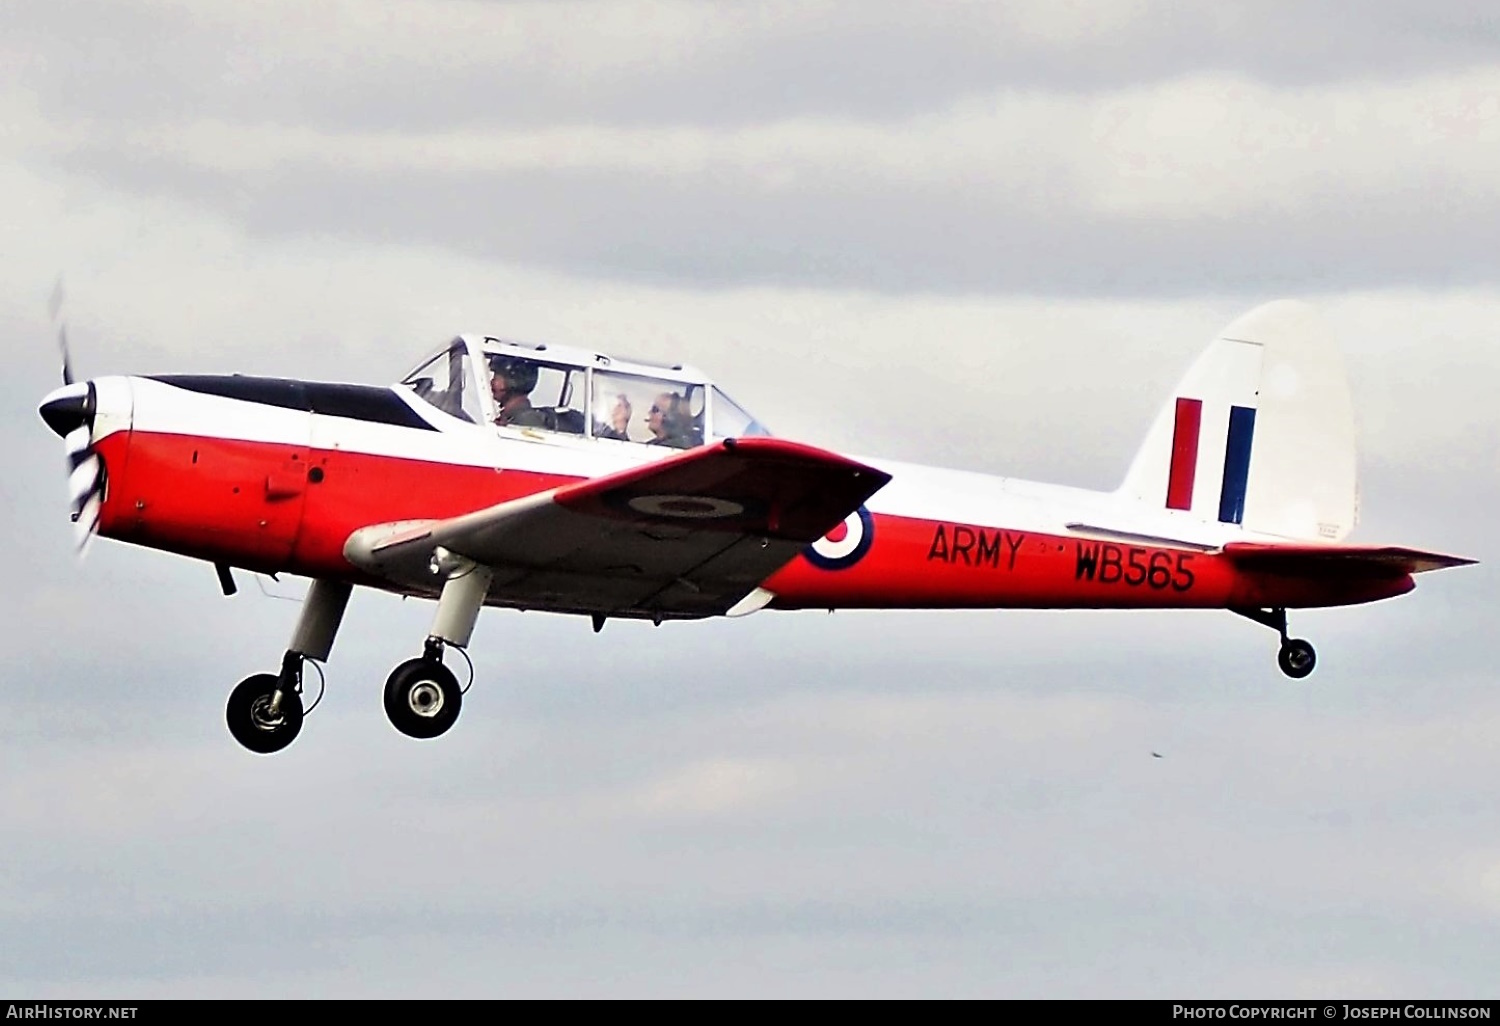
column 250, row 719
column 1296, row 658
column 422, row 698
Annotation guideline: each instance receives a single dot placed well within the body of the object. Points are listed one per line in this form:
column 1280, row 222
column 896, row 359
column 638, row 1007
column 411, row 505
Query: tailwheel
column 422, row 698
column 257, row 721
column 1296, row 658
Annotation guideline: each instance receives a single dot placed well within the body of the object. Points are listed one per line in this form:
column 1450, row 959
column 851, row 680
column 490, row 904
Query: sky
column 1032, row 216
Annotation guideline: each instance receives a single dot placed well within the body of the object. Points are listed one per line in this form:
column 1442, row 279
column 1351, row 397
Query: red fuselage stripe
column 1184, row 453
column 272, row 507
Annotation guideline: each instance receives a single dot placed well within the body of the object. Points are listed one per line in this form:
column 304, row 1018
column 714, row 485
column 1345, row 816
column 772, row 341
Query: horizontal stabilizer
column 1337, row 559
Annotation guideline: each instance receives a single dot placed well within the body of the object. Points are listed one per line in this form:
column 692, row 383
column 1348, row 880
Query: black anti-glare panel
column 354, row 402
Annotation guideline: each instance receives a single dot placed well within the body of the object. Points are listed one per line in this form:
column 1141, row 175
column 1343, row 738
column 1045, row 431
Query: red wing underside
column 1337, row 560
column 687, row 536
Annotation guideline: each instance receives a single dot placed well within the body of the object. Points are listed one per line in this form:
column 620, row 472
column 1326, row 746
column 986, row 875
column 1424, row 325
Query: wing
column 1337, row 560
column 687, row 536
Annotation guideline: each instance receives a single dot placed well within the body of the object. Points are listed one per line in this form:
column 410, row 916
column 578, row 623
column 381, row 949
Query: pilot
column 511, row 383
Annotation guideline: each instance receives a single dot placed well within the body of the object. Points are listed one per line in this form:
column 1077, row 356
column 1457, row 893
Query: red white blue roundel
column 845, row 545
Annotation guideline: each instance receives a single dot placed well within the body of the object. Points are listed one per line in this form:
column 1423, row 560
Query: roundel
column 685, row 507
column 845, row 545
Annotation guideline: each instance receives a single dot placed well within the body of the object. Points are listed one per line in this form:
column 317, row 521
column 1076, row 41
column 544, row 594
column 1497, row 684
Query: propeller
column 55, row 308
column 69, row 411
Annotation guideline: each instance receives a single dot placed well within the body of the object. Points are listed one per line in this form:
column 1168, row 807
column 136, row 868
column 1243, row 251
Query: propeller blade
column 70, row 412
column 83, row 471
column 62, row 343
column 87, row 524
column 55, row 308
column 86, row 474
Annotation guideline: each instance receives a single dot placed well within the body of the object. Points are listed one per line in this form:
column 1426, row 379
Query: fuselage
column 275, row 476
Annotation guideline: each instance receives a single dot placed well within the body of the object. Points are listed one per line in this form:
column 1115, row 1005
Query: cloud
column 714, row 787
column 416, row 65
column 1201, row 184
column 953, row 827
column 1171, row 148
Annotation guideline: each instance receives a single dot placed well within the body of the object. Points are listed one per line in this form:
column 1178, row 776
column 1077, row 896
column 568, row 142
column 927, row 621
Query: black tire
column 1296, row 658
column 249, row 719
column 422, row 698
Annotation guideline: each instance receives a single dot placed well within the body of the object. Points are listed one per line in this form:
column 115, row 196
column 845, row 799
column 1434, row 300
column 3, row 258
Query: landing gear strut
column 1296, row 657
column 265, row 711
column 422, row 697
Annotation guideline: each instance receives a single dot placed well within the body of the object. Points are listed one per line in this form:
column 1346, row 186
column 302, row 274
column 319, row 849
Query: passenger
column 659, row 419
column 511, row 384
column 619, row 421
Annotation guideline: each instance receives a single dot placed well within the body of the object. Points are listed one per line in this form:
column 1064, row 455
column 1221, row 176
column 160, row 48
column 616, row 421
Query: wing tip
column 802, row 451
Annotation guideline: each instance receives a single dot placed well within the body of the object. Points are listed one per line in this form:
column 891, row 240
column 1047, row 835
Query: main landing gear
column 1296, row 657
column 265, row 711
column 422, row 697
column 264, row 714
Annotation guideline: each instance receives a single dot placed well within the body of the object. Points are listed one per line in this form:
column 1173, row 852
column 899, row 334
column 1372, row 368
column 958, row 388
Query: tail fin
column 1259, row 434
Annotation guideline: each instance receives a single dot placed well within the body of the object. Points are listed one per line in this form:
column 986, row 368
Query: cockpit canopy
column 552, row 392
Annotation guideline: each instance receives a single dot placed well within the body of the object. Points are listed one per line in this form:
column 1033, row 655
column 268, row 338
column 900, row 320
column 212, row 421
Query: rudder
column 1259, row 434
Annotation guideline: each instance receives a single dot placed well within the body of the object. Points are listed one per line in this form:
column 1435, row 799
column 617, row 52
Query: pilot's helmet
column 519, row 375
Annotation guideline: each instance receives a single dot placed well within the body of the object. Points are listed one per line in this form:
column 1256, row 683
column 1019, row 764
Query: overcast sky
column 1032, row 216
